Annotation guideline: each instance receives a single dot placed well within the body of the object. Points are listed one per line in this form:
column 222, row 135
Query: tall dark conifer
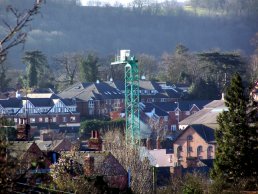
column 236, row 153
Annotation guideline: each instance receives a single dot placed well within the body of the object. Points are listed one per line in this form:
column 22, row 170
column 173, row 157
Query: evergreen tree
column 236, row 153
column 89, row 68
column 38, row 72
column 32, row 76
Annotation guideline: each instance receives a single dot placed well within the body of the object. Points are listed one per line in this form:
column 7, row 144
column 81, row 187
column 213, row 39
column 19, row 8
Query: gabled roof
column 96, row 91
column 55, row 145
column 149, row 85
column 205, row 132
column 149, row 107
column 41, row 102
column 11, row 103
column 166, row 106
column 186, row 105
column 173, row 93
column 118, row 84
column 18, row 149
column 207, row 115
column 104, row 162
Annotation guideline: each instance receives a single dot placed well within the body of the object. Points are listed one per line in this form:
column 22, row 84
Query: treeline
column 203, row 71
column 144, row 27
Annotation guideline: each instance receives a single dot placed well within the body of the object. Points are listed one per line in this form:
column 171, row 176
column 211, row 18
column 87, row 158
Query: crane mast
column 132, row 114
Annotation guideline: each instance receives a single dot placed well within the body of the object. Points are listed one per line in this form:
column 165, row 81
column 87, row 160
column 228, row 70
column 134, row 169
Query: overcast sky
column 124, row 2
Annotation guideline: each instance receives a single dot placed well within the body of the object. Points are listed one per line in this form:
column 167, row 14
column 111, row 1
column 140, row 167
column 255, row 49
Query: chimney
column 158, row 143
column 148, row 143
column 96, row 134
column 222, row 96
column 92, row 134
column 89, row 165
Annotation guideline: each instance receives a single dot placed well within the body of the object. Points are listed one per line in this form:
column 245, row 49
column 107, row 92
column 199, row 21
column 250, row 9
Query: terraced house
column 38, row 110
column 105, row 98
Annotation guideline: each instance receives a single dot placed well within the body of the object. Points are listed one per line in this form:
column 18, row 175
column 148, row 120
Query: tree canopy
column 236, row 154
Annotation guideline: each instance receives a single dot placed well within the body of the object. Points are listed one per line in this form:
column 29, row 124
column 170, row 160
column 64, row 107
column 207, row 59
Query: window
column 40, row 119
column 189, row 149
column 15, row 120
column 64, row 119
column 199, row 150
column 72, row 119
column 32, row 120
column 91, row 104
column 189, row 137
column 179, row 149
column 173, row 127
column 210, row 149
column 187, row 113
column 54, row 119
column 165, row 118
column 46, row 120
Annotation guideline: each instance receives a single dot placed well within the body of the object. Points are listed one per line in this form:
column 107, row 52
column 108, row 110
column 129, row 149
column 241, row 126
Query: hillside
column 67, row 27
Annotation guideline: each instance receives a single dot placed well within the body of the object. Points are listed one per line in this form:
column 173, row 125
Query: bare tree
column 67, row 68
column 16, row 34
column 132, row 160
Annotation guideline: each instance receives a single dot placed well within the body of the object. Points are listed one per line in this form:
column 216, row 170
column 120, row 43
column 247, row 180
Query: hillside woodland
column 68, row 34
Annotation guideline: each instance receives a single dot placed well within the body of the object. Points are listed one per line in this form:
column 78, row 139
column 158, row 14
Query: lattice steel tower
column 131, row 96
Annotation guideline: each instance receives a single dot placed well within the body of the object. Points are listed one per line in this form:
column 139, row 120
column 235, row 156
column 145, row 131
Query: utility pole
column 132, row 98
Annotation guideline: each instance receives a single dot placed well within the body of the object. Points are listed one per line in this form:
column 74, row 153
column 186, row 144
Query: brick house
column 165, row 116
column 99, row 163
column 28, row 154
column 105, row 98
column 194, row 143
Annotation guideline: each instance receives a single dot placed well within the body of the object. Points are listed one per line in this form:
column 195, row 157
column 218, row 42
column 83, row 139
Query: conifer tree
column 236, row 153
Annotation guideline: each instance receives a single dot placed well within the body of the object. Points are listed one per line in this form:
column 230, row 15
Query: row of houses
column 40, row 109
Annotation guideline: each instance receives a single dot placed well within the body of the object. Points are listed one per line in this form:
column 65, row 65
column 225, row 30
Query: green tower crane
column 132, row 114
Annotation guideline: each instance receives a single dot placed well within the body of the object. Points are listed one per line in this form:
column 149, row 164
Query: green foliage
column 204, row 90
column 194, row 184
column 236, row 153
column 216, row 65
column 4, row 80
column 89, row 68
column 89, row 125
column 38, row 72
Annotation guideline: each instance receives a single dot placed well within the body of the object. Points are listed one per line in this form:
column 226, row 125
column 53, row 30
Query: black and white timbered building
column 40, row 110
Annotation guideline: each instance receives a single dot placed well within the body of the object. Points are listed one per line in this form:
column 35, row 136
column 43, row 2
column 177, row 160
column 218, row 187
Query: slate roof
column 54, row 145
column 120, row 85
column 11, row 102
column 205, row 132
column 173, row 93
column 95, row 91
column 166, row 106
column 41, row 102
column 207, row 115
column 183, row 105
column 148, row 107
column 149, row 85
column 18, row 149
column 186, row 105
